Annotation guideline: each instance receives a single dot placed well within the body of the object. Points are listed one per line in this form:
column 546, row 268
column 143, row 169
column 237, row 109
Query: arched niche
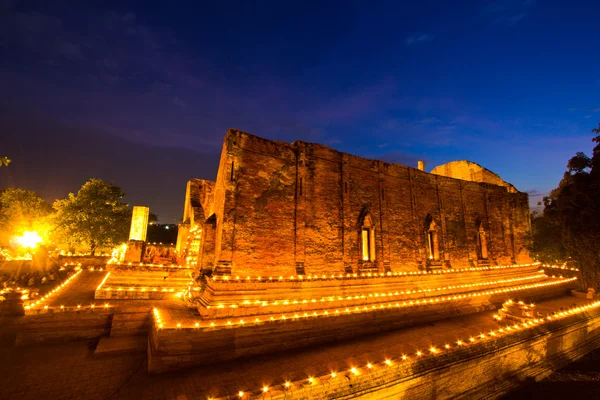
column 367, row 236
column 482, row 241
column 431, row 232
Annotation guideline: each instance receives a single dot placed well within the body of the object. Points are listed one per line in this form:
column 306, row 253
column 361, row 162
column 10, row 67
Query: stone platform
column 253, row 317
column 487, row 367
column 233, row 297
column 143, row 282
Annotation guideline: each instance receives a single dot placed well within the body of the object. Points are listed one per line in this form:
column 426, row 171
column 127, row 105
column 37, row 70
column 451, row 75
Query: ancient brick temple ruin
column 281, row 209
column 296, row 248
column 298, row 244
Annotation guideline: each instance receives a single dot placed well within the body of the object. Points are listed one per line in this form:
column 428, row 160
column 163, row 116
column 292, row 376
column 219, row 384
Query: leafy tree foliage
column 23, row 210
column 569, row 228
column 94, row 218
column 546, row 245
column 4, row 161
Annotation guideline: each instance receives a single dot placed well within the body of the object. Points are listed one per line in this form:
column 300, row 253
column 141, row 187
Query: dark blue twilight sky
column 142, row 94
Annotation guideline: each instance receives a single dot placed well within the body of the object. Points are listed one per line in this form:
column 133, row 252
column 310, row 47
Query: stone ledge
column 172, row 349
column 485, row 369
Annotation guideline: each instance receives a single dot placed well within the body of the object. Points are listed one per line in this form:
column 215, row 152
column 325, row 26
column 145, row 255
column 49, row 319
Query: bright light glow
column 29, row 240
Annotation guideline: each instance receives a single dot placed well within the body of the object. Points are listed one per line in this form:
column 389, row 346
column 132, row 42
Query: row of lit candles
column 371, row 295
column 78, row 267
column 292, row 278
column 53, row 291
column 143, row 289
column 84, row 255
column 433, row 351
column 498, row 317
column 14, row 290
column 348, row 310
column 138, row 289
column 78, row 307
column 148, row 265
column 561, row 267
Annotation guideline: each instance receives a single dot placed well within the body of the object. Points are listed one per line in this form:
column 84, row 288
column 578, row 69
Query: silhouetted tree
column 95, row 218
column 570, row 225
column 546, row 244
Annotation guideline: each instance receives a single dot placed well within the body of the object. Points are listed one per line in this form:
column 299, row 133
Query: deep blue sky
column 142, row 95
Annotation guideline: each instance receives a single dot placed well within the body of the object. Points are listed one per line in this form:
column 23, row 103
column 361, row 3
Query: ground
column 72, row 371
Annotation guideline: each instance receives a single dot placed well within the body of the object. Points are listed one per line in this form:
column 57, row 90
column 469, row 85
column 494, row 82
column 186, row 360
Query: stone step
column 130, row 324
column 128, row 345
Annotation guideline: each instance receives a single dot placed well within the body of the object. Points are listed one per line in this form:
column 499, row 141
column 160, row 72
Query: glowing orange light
column 29, row 240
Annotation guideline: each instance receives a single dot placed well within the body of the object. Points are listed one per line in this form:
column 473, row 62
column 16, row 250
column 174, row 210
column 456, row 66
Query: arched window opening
column 367, row 238
column 366, row 244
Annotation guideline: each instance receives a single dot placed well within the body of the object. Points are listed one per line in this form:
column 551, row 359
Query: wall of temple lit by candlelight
column 302, row 208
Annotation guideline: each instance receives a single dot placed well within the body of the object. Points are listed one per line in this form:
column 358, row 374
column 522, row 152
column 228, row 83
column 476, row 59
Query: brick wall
column 285, row 208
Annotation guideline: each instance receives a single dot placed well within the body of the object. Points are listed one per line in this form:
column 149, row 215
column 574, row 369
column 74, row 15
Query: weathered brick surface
column 32, row 373
column 135, row 282
column 299, row 296
column 63, row 327
column 470, row 171
column 172, row 349
column 283, row 209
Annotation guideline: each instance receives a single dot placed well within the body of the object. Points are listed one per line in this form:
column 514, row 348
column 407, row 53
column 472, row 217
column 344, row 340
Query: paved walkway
column 70, row 371
column 78, row 291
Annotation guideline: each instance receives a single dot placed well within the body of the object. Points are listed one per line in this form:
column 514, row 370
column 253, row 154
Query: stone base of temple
column 486, row 368
column 419, row 343
column 231, row 297
column 143, row 282
column 243, row 318
column 134, row 252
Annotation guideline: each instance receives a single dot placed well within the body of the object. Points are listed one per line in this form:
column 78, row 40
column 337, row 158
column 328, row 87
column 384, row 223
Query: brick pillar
column 182, row 238
column 227, row 230
column 444, row 250
column 383, row 262
column 488, row 232
column 420, row 260
column 300, row 217
column 471, row 259
column 348, row 225
column 511, row 221
column 207, row 246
